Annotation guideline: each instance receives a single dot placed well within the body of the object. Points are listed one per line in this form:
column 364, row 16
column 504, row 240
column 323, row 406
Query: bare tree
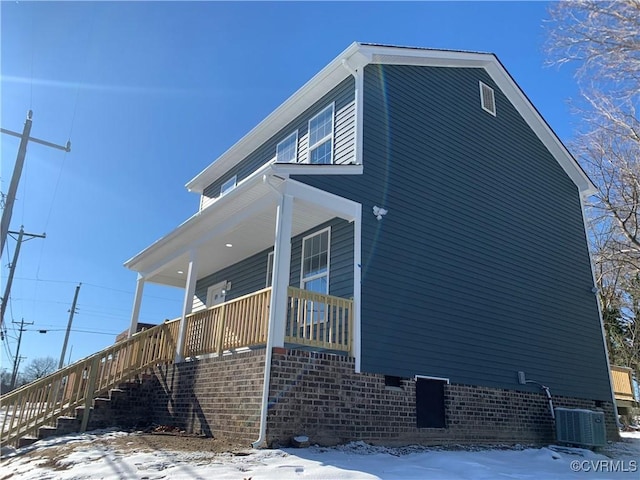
column 5, row 381
column 602, row 41
column 38, row 368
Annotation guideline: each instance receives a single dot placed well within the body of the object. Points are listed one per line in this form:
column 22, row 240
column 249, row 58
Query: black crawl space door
column 430, row 403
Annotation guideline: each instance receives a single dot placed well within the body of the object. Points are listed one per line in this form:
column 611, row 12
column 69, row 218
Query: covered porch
column 262, row 214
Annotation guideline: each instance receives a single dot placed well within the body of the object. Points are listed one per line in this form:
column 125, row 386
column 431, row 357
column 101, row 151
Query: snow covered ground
column 100, row 455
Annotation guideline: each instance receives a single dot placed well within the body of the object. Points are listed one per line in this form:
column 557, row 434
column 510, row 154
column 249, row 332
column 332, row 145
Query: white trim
column 229, row 185
column 198, row 240
column 344, row 207
column 541, row 128
column 278, row 307
column 295, row 148
column 252, row 180
column 359, row 55
column 137, row 301
column 357, row 288
column 359, row 120
column 602, row 329
column 326, row 138
column 281, row 269
column 286, row 169
column 428, row 377
column 187, row 304
column 318, row 275
column 321, row 84
column 483, row 87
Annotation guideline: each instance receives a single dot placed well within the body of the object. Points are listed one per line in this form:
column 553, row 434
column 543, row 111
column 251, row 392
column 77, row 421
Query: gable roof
column 356, row 57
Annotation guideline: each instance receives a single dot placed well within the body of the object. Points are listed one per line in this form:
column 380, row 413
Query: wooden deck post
column 221, row 325
column 88, row 396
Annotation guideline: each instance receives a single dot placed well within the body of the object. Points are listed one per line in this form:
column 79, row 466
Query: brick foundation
column 218, row 396
column 321, row 396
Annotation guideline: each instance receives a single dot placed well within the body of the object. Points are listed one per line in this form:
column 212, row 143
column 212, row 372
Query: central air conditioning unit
column 580, row 427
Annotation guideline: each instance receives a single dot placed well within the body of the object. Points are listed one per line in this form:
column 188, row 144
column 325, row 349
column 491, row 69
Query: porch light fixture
column 180, row 272
column 229, row 245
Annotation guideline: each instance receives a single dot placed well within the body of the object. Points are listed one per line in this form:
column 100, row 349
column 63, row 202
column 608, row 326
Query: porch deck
column 313, row 320
column 622, row 378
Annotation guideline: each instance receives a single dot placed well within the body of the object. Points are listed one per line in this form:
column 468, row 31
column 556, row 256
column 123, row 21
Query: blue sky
column 150, row 94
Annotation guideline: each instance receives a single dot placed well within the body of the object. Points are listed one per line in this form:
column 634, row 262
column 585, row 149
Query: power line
column 25, row 138
column 7, row 290
column 17, row 359
column 129, row 292
column 75, row 330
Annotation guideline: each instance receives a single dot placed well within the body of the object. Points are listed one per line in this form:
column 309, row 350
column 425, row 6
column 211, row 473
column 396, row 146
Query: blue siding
column 344, row 138
column 481, row 267
column 250, row 275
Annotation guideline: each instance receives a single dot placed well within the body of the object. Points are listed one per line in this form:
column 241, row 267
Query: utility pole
column 66, row 337
column 17, row 172
column 16, row 361
column 12, row 267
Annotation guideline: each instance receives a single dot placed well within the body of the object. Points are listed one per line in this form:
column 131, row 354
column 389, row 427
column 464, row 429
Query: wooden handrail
column 241, row 322
column 40, row 403
column 313, row 319
column 319, row 320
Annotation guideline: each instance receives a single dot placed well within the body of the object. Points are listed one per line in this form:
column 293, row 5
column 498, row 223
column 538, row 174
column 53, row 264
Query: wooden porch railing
column 622, row 383
column 241, row 322
column 319, row 320
column 40, row 403
column 313, row 319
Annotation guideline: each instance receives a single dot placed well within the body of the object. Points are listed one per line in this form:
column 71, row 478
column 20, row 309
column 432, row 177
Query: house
column 405, row 236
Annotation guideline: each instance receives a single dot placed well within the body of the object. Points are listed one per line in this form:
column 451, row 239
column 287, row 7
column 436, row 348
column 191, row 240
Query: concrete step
column 47, row 431
column 26, row 441
column 101, row 403
column 67, row 424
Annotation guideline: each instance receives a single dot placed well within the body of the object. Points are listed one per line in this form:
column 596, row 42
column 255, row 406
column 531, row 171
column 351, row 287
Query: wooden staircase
column 57, row 403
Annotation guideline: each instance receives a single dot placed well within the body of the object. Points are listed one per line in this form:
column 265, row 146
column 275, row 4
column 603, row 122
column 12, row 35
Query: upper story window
column 228, row 185
column 321, row 137
column 287, row 149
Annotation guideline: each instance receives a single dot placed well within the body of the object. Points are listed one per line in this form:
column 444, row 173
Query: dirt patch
column 144, row 442
column 160, row 441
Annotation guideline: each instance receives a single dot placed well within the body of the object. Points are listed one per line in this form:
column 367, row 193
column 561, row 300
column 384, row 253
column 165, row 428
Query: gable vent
column 487, row 99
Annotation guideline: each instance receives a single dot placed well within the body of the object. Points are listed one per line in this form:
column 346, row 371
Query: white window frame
column 318, row 275
column 229, row 185
column 329, row 137
column 269, row 271
column 493, row 96
column 295, row 154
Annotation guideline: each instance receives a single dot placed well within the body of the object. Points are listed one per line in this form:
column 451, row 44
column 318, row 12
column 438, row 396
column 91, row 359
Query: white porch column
column 281, row 263
column 137, row 301
column 189, row 291
column 357, row 279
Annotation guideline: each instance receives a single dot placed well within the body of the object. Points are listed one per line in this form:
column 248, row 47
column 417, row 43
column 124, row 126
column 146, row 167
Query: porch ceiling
column 244, row 218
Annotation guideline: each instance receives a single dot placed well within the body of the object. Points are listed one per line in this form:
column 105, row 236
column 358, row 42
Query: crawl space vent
column 487, row 99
